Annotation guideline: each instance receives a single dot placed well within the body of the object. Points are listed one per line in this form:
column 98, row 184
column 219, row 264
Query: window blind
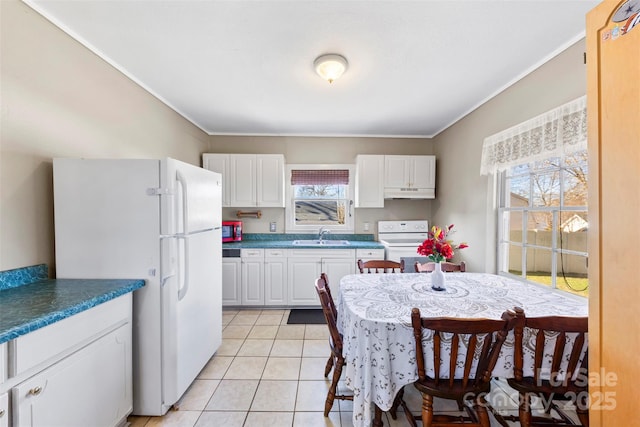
column 319, row 176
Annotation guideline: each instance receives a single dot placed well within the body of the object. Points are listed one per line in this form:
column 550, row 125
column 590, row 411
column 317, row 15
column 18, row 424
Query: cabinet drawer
column 370, row 253
column 274, row 253
column 252, row 253
column 68, row 334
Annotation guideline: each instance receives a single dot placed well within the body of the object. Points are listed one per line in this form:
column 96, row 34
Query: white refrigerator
column 158, row 220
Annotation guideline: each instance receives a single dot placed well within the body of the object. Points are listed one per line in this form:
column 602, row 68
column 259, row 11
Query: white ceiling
column 246, row 67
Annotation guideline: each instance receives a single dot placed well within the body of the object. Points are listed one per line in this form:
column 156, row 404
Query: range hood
column 410, row 193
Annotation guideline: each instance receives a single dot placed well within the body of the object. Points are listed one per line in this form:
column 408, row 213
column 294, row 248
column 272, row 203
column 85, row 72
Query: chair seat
column 457, row 391
column 530, row 385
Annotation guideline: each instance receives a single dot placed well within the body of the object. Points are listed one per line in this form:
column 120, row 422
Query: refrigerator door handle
column 185, row 210
column 184, row 287
column 167, row 265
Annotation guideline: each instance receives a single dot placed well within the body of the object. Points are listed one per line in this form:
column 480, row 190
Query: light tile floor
column 268, row 373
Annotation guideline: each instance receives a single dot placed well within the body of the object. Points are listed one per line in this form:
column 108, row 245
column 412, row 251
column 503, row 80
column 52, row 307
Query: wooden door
column 613, row 96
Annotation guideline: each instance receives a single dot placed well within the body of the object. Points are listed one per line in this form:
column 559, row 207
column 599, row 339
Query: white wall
column 465, row 198
column 60, row 100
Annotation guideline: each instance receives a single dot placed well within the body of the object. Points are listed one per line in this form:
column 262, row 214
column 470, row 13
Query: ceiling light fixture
column 331, row 66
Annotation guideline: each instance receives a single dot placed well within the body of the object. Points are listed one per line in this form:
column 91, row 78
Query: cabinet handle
column 2, row 411
column 35, row 391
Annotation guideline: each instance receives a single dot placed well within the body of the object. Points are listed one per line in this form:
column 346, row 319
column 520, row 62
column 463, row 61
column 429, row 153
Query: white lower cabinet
column 4, row 410
column 275, row 277
column 252, row 276
column 286, row 277
column 90, row 387
column 74, row 372
column 336, row 269
column 231, row 281
column 303, row 272
column 305, row 266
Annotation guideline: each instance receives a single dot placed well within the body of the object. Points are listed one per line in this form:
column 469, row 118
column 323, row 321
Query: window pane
column 514, row 262
column 546, row 189
column 320, row 212
column 514, row 222
column 539, row 262
column 574, row 222
column 575, row 180
column 519, row 189
column 572, row 274
column 539, row 221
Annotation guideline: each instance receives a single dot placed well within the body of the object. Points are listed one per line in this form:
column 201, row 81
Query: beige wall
column 327, row 150
column 464, row 197
column 60, row 100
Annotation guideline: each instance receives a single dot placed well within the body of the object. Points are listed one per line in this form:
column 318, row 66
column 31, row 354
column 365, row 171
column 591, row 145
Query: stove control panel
column 412, row 226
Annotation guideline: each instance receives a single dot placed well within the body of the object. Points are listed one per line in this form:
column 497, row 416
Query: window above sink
column 319, row 197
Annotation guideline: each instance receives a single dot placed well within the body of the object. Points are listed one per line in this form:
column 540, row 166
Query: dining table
column 374, row 318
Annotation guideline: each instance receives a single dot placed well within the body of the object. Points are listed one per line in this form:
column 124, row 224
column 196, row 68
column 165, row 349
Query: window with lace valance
column 555, row 133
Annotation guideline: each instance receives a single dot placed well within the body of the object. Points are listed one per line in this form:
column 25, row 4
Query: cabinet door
column 4, row 410
column 270, row 180
column 369, row 181
column 423, row 172
column 219, row 163
column 336, row 269
column 242, row 182
column 92, row 387
column 231, row 273
column 252, row 277
column 275, row 278
column 302, row 275
column 396, row 171
column 3, row 362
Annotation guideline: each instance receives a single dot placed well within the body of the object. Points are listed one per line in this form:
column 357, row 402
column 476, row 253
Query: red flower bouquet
column 437, row 248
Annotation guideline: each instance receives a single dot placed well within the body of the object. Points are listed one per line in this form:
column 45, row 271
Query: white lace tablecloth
column 374, row 317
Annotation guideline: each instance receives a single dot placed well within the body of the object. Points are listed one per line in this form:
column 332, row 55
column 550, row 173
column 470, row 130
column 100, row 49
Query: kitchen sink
column 317, row 242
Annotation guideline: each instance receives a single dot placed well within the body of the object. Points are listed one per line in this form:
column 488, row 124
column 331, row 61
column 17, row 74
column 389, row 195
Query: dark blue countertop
column 28, row 307
column 285, row 241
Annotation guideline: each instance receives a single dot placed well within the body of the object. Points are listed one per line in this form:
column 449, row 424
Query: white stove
column 402, row 238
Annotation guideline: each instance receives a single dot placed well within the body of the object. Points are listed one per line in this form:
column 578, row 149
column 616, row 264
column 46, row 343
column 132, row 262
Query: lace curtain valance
column 560, row 131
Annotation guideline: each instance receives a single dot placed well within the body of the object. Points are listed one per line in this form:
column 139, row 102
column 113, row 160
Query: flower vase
column 437, row 278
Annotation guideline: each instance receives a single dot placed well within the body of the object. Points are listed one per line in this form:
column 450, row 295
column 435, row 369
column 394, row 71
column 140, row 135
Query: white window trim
column 289, row 211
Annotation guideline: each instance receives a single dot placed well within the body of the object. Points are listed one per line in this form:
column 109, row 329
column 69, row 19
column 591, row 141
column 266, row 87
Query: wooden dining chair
column 335, row 343
column 482, row 339
column 447, row 267
column 559, row 346
column 334, row 313
column 380, row 266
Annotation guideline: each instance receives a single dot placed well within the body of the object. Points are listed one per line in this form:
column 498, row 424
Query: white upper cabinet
column 369, row 181
column 242, row 180
column 412, row 177
column 219, row 163
column 250, row 180
column 270, row 180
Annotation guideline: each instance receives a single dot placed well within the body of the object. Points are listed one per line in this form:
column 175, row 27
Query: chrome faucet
column 322, row 233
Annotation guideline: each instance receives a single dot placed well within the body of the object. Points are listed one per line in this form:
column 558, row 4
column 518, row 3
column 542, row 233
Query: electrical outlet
column 272, row 227
column 366, row 226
